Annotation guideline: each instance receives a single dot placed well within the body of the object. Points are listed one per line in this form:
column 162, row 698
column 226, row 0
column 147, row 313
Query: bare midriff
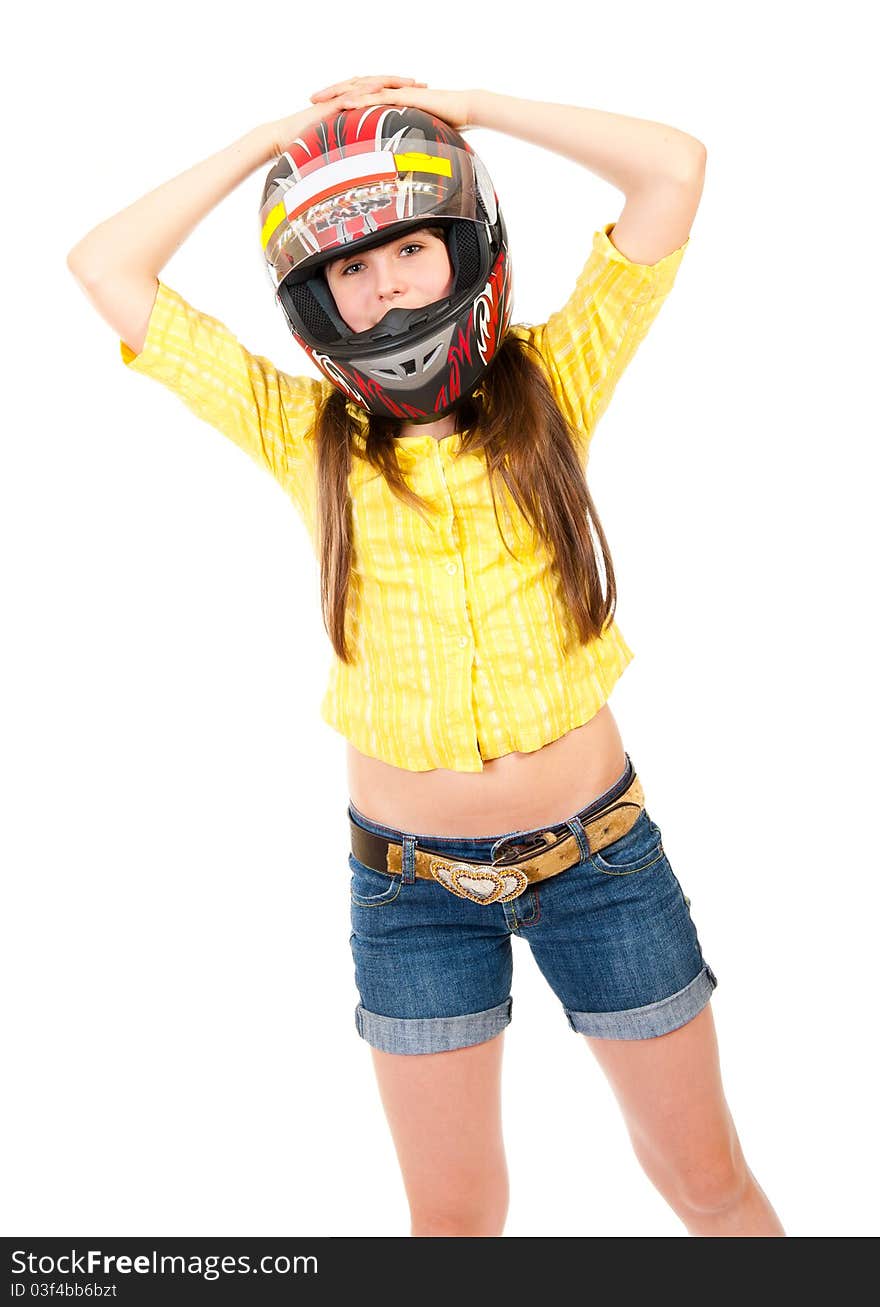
column 515, row 792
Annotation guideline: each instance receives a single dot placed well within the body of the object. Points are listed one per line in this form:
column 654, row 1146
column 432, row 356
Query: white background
column 178, row 988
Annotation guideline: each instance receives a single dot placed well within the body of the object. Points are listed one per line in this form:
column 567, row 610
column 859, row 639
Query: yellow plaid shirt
column 462, row 652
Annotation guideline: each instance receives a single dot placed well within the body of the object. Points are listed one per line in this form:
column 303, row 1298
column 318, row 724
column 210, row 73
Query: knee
column 717, row 1186
column 702, row 1180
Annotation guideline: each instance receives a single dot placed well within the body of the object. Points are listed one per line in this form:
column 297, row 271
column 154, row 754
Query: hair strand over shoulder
column 528, row 445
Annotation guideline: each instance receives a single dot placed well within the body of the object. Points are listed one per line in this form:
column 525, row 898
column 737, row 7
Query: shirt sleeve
column 588, row 343
column 268, row 414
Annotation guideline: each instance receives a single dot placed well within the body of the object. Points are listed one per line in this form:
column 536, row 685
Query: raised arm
column 268, row 413
column 118, row 263
column 659, row 168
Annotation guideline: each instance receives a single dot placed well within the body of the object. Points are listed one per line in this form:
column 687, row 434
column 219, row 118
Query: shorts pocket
column 372, row 889
column 637, row 850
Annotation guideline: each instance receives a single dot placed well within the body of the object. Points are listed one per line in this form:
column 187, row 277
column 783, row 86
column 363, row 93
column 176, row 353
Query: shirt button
column 463, row 641
column 452, row 568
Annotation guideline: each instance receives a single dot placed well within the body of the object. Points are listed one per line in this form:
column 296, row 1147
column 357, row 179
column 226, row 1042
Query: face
column 405, row 272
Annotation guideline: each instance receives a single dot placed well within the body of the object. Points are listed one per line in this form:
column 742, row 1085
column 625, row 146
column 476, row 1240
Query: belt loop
column 504, row 839
column 409, row 859
column 579, row 833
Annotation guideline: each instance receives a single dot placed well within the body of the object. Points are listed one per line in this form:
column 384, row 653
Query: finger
column 372, row 85
column 365, row 84
column 335, row 102
column 336, row 89
column 386, row 79
column 364, row 101
column 329, row 93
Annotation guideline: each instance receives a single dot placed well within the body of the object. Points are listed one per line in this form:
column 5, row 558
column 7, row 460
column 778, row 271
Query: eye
column 413, row 245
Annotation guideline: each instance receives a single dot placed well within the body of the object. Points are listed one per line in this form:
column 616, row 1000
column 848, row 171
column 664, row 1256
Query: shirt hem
column 525, row 741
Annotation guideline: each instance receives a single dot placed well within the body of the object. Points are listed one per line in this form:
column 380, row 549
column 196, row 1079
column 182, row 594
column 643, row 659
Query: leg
column 669, row 1088
column 616, row 942
column 444, row 1111
column 433, row 973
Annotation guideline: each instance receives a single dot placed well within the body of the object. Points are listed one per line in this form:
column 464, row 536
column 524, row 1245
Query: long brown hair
column 529, row 446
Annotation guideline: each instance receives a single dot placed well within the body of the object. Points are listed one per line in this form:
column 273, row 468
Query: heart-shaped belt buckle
column 463, row 879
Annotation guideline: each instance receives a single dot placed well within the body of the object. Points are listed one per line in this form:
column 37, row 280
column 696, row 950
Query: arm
column 143, row 237
column 659, row 168
column 590, row 341
column 118, row 263
column 265, row 412
column 627, row 152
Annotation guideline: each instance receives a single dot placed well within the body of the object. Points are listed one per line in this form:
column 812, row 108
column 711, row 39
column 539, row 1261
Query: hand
column 331, row 100
column 453, row 107
column 364, row 86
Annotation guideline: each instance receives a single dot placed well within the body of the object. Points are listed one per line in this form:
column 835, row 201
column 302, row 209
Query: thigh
column 670, row 1092
column 433, row 971
column 444, row 1113
column 614, row 937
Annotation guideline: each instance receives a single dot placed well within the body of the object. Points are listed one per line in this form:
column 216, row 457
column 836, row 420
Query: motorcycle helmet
column 355, row 180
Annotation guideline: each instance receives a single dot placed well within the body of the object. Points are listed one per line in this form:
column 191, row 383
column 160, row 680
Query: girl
column 440, row 467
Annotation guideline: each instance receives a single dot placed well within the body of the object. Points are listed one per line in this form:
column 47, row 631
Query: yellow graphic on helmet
column 413, row 161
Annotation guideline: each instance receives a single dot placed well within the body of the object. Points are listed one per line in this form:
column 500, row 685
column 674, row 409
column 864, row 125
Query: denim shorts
column 612, row 935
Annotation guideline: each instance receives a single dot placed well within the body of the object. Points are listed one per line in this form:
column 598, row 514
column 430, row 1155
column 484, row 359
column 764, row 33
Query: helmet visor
column 319, row 211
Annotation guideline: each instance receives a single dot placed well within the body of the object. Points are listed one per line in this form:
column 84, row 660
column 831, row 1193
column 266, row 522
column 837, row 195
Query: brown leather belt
column 539, row 855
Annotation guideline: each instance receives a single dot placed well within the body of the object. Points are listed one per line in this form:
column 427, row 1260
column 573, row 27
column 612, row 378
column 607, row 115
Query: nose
column 390, row 281
column 389, row 288
column 390, row 294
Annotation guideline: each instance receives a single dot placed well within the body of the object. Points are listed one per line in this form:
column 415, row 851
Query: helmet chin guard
column 354, row 181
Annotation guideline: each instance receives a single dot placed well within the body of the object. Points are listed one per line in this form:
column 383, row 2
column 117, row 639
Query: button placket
column 454, row 567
